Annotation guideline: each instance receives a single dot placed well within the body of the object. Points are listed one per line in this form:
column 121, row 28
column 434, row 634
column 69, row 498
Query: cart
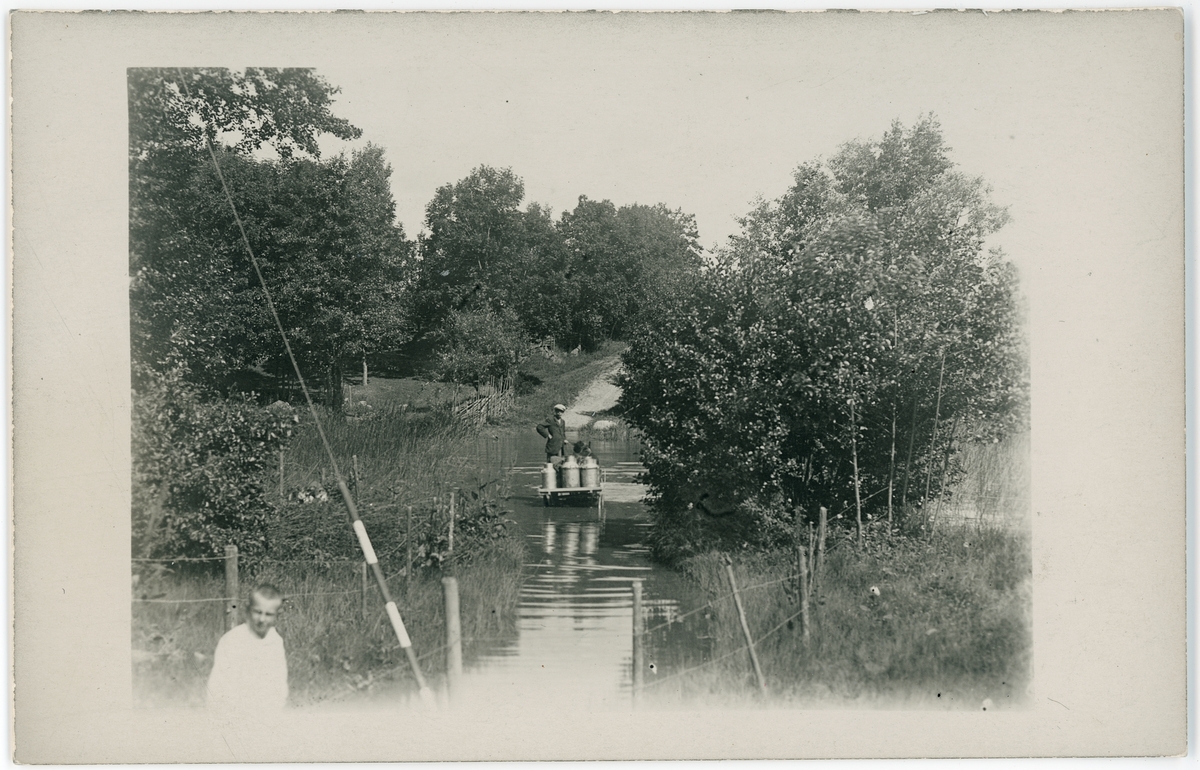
column 575, row 495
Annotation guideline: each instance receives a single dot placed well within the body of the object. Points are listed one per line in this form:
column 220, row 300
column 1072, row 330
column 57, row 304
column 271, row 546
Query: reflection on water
column 573, row 644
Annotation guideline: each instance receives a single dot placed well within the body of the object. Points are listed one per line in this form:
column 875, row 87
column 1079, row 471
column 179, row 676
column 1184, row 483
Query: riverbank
column 401, row 448
column 942, row 624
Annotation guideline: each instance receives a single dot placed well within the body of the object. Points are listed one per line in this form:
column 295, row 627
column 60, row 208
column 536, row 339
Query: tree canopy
column 324, row 231
column 582, row 280
column 857, row 320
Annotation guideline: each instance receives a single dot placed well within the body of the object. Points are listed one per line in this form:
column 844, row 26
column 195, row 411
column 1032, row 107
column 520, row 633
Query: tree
column 833, row 349
column 478, row 344
column 324, row 231
column 622, row 262
column 199, row 468
column 476, row 234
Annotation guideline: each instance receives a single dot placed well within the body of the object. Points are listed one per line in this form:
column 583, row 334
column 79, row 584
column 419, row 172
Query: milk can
column 549, row 476
column 570, row 472
column 589, row 472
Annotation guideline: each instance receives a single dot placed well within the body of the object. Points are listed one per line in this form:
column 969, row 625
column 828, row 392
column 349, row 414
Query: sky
column 707, row 112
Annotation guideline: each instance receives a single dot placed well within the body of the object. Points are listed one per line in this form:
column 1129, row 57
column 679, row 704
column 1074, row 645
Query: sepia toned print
column 477, row 381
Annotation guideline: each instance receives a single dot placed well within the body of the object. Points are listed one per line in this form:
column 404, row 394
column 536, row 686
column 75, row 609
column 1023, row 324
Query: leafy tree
column 856, row 322
column 622, row 262
column 476, row 234
column 477, row 344
column 324, row 231
column 581, row 280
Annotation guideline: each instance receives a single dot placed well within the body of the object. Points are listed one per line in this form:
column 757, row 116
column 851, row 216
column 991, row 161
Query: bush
column 199, row 468
column 477, row 345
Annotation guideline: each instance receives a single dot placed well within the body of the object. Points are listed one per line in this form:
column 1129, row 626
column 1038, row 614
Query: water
column 573, row 646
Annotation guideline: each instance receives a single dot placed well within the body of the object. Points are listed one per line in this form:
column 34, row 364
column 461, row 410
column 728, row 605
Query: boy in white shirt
column 249, row 671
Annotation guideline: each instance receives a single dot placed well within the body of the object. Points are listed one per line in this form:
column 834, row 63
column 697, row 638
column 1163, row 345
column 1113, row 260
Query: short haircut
column 267, row 591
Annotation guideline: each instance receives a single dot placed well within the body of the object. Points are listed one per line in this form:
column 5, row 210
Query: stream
column 573, row 647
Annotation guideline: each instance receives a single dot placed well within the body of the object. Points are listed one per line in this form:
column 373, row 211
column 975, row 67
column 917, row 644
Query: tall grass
column 410, row 449
column 947, row 625
column 334, row 651
column 948, row 628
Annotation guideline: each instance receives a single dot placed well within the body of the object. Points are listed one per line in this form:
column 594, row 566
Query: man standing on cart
column 554, row 430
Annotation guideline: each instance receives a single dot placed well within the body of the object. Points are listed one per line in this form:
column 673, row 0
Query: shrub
column 199, row 467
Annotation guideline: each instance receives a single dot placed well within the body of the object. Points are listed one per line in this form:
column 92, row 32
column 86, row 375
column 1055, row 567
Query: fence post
column 638, row 652
column 281, row 472
column 819, row 567
column 802, row 572
column 451, row 536
column 408, row 577
column 354, row 458
column 737, row 600
column 453, row 636
column 802, row 553
column 231, row 586
column 366, row 381
column 362, row 572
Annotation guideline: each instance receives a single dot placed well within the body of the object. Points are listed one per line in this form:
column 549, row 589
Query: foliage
column 947, row 626
column 324, row 231
column 581, row 281
column 621, row 263
column 199, row 468
column 856, row 318
column 478, row 344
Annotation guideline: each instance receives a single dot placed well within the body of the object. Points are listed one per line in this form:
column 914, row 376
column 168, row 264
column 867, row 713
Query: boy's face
column 263, row 612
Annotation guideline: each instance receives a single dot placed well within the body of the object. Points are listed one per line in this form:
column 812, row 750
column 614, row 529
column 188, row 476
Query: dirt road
column 599, row 395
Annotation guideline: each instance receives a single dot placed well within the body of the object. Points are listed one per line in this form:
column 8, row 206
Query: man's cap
column 559, row 408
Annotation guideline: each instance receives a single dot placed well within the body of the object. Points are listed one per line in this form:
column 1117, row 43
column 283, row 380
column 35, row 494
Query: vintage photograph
column 596, row 385
column 598, row 453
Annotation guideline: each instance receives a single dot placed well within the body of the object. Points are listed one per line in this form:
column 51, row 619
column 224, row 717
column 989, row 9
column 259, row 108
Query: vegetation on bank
column 937, row 623
column 410, row 448
column 840, row 352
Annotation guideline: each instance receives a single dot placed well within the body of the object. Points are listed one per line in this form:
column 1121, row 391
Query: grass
column 409, row 450
column 334, row 651
column 949, row 627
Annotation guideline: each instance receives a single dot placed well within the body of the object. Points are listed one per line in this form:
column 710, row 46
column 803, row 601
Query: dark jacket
column 554, row 431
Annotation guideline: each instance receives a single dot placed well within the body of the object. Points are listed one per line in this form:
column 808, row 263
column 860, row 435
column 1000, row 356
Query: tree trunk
column 937, row 410
column 912, row 436
column 854, row 455
column 334, row 386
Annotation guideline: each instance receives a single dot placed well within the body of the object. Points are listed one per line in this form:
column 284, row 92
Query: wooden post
column 366, row 381
column 354, row 459
column 854, row 456
column 802, row 570
column 737, row 600
column 802, row 554
column 408, row 576
column 281, row 472
column 231, row 586
column 450, row 537
column 362, row 571
column 638, row 652
column 819, row 567
column 453, row 636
